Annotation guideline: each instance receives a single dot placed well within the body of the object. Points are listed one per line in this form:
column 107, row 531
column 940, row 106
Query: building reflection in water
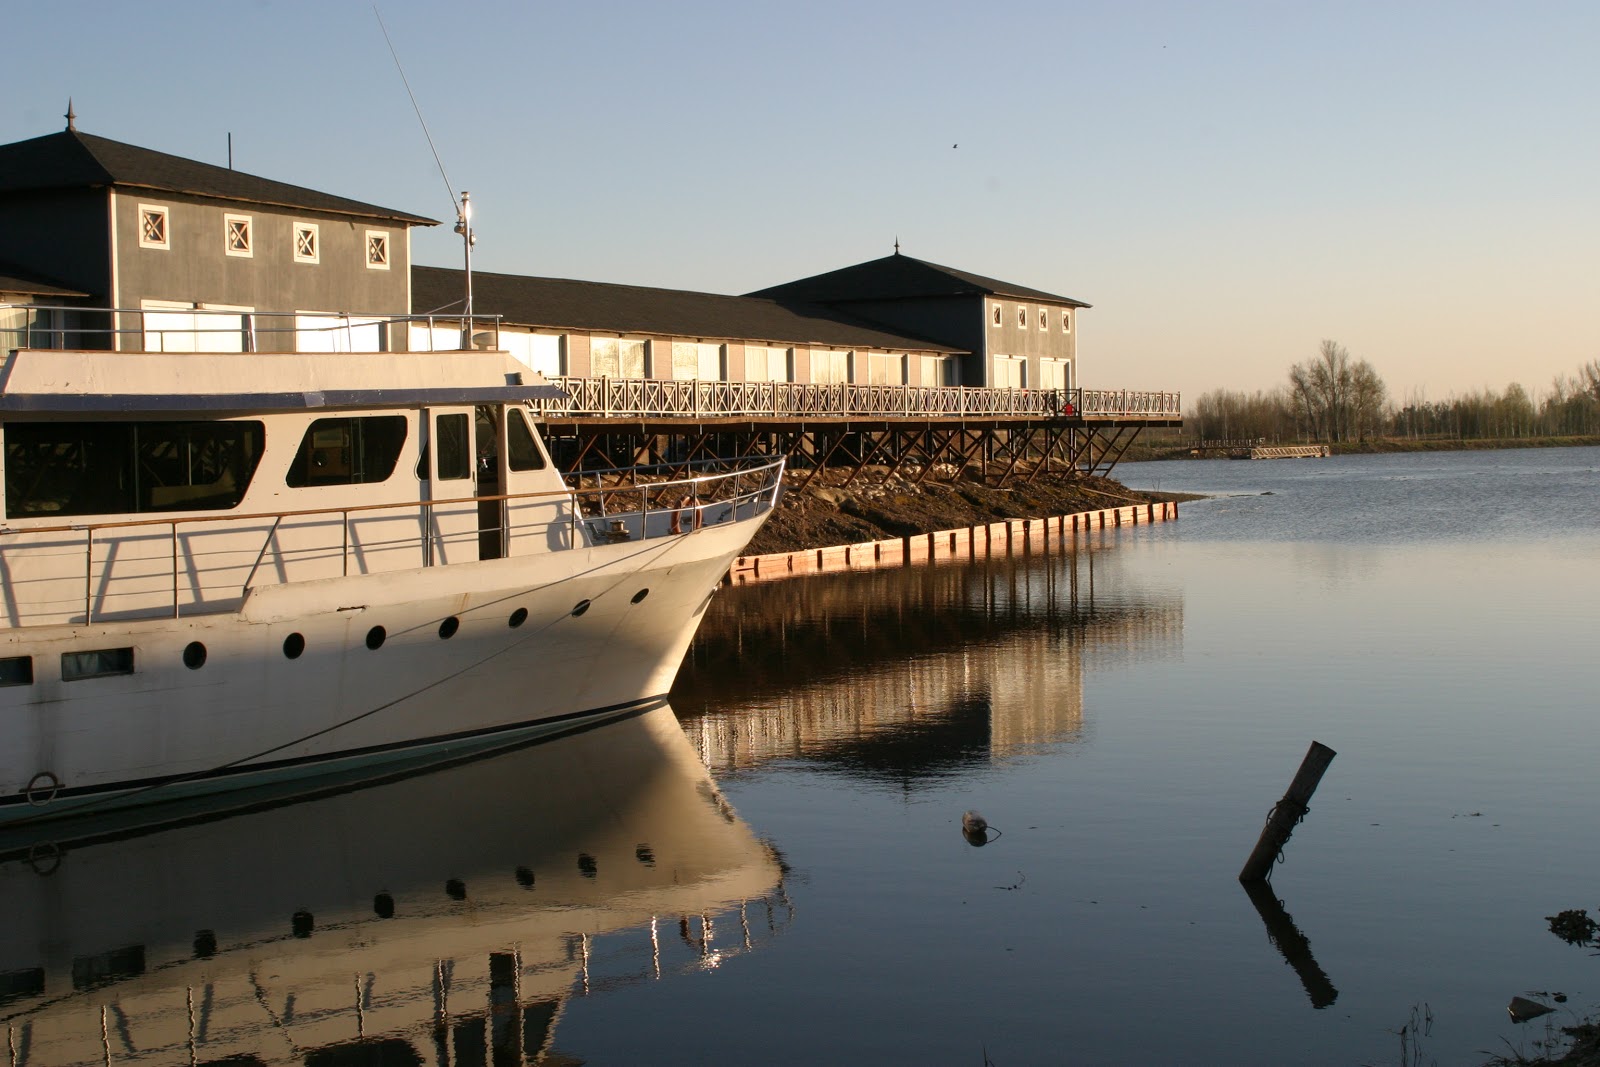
column 913, row 673
column 442, row 918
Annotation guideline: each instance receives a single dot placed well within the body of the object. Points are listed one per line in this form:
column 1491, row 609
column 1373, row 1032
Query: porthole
column 194, row 655
column 525, row 877
column 640, row 595
column 518, row 617
column 383, row 906
column 448, row 628
column 301, row 924
column 376, row 637
column 456, row 889
column 579, row 608
column 293, row 645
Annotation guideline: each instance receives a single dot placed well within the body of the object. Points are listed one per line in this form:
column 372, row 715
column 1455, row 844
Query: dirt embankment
column 874, row 508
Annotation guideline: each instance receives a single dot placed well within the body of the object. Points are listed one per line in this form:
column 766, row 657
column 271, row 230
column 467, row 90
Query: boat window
column 99, row 663
column 110, row 468
column 452, row 438
column 16, row 670
column 348, row 451
column 520, row 442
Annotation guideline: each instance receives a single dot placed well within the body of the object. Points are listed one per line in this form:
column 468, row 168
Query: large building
column 94, row 223
column 90, row 223
column 1011, row 336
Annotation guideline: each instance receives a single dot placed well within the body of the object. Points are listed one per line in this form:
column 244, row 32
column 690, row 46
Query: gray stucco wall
column 197, row 267
column 953, row 321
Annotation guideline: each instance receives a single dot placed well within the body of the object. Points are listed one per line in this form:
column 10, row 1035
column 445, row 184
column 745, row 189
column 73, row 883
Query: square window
column 1022, row 317
column 236, row 235
column 307, row 248
column 153, row 227
column 378, row 249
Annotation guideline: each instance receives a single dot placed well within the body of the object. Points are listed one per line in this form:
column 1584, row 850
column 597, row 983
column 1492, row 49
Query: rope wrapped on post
column 1287, row 813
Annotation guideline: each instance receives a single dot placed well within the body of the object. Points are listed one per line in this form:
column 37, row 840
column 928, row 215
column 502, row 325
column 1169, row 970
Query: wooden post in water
column 1287, row 812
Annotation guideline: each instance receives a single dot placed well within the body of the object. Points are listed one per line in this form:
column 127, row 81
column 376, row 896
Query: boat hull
column 324, row 676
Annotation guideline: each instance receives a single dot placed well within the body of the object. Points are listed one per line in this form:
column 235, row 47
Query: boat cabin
column 161, row 483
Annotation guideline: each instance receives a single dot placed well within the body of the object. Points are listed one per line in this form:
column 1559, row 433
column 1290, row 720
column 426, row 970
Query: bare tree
column 1591, row 377
column 1336, row 397
column 1366, row 397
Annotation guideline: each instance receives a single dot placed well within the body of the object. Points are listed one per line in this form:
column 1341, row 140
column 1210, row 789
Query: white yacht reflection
column 911, row 674
column 442, row 918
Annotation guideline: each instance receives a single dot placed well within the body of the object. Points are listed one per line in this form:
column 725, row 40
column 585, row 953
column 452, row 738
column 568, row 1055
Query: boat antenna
column 463, row 209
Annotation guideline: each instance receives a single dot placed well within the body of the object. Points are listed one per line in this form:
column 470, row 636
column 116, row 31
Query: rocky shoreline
column 875, row 507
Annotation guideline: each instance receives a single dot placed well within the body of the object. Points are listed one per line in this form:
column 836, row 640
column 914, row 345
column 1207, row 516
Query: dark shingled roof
column 75, row 160
column 900, row 277
column 564, row 304
column 15, row 279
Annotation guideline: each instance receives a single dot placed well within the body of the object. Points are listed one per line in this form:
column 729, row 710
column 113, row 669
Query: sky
column 1228, row 184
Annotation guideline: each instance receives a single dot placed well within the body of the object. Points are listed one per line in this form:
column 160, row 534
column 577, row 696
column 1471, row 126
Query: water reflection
column 1295, row 946
column 446, row 917
column 910, row 675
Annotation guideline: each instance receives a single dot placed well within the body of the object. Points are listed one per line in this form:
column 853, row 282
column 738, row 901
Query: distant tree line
column 1333, row 397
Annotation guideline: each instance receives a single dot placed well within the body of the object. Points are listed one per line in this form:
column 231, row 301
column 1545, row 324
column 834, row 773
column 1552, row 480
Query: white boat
column 448, row 917
column 225, row 567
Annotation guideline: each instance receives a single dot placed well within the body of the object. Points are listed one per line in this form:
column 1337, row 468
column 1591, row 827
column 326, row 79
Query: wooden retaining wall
column 1006, row 538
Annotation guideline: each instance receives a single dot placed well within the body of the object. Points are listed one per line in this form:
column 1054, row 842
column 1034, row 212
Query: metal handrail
column 744, row 483
column 49, row 326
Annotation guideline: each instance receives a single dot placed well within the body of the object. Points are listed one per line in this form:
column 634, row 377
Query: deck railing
column 191, row 330
column 651, row 397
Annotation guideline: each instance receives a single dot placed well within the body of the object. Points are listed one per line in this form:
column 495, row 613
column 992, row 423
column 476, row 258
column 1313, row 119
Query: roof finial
column 72, row 116
column 897, row 244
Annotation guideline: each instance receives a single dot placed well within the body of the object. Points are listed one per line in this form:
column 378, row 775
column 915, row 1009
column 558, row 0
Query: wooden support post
column 1287, row 812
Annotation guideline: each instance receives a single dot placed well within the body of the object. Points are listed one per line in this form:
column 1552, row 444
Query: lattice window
column 378, row 249
column 153, row 227
column 307, row 244
column 237, row 235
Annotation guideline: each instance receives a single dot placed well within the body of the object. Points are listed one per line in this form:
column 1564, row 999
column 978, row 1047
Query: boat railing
column 202, row 564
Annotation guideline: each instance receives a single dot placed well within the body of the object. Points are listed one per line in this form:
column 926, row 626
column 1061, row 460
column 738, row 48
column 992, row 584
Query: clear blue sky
column 1226, row 183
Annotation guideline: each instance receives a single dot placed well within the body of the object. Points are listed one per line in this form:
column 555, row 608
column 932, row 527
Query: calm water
column 777, row 875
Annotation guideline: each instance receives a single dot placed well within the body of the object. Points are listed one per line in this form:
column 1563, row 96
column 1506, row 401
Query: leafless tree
column 1337, row 397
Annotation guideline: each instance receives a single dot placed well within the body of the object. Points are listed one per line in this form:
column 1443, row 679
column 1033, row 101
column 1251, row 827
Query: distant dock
column 1292, row 452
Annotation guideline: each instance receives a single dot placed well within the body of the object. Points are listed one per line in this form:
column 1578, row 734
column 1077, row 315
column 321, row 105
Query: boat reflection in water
column 445, row 917
column 917, row 673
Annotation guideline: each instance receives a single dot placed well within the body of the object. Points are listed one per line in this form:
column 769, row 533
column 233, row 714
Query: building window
column 1044, row 319
column 307, row 245
column 696, row 360
column 615, row 357
column 378, row 249
column 1066, row 321
column 1022, row 318
column 995, row 317
column 236, row 235
column 153, row 227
